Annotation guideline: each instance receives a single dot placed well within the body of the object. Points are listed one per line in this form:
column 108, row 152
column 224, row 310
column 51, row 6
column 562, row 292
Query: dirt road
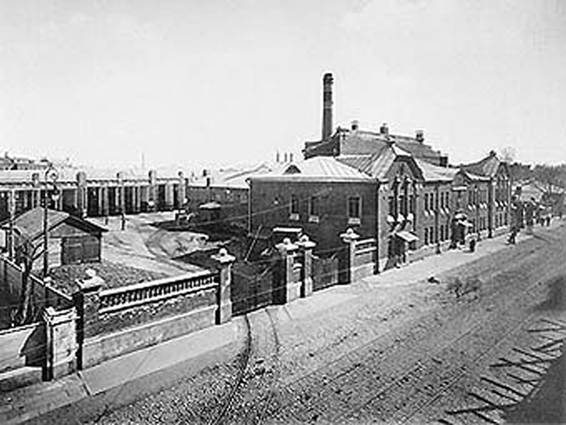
column 372, row 353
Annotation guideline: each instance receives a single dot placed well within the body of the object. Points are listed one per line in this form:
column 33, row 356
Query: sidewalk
column 31, row 402
column 436, row 264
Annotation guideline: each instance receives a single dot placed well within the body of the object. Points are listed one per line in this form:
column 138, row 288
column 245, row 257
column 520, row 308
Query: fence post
column 347, row 271
column 224, row 300
column 305, row 247
column 61, row 343
column 87, row 303
column 286, row 289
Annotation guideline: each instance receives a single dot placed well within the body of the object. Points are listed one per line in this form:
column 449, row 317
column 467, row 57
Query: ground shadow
column 547, row 405
column 33, row 349
column 556, row 299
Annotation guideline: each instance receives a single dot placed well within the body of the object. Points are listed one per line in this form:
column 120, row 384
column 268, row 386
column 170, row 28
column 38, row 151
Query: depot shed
column 72, row 240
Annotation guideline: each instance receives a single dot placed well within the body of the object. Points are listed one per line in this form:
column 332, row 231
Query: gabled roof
column 30, row 223
column 318, row 168
column 376, row 165
column 432, row 172
column 486, row 167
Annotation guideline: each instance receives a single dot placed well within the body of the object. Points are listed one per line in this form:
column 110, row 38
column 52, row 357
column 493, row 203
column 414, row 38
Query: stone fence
column 117, row 321
column 359, row 259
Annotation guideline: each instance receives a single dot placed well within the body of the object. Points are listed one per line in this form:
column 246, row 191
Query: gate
column 252, row 285
column 325, row 271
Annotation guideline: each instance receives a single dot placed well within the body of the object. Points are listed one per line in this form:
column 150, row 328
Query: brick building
column 499, row 186
column 393, row 189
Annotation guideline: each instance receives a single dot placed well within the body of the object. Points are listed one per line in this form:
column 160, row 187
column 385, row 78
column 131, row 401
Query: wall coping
column 19, row 328
column 157, row 282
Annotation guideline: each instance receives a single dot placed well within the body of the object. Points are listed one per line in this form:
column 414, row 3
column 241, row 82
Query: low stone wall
column 117, row 321
column 22, row 346
column 365, row 253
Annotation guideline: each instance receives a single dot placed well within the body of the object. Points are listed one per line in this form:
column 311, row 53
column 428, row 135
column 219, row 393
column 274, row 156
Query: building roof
column 318, row 168
column 432, row 172
column 30, row 223
column 358, row 142
column 486, row 167
column 236, row 177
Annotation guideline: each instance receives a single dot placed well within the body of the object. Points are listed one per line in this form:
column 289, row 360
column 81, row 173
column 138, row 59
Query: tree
column 26, row 255
column 549, row 176
column 508, row 154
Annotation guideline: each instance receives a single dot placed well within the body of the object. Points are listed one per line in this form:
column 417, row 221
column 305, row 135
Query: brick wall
column 270, row 207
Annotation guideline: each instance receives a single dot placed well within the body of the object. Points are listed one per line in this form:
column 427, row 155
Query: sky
column 200, row 83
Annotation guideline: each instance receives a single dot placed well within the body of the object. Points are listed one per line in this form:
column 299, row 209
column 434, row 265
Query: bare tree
column 26, row 255
column 508, row 154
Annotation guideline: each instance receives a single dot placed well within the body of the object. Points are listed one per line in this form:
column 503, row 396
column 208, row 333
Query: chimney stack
column 327, row 106
column 285, row 157
column 290, row 157
column 384, row 129
column 355, row 125
column 277, row 157
column 420, row 136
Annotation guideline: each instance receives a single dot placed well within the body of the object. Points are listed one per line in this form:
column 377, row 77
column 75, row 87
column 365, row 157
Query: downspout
column 490, row 210
column 436, row 218
column 377, row 220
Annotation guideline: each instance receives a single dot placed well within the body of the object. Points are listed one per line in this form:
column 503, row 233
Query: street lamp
column 51, row 175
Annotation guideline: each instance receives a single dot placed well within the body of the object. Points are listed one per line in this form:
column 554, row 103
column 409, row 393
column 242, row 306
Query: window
column 354, row 210
column 294, row 208
column 426, row 201
column 391, row 205
column 426, row 236
column 412, row 204
column 314, row 209
column 402, row 200
column 432, row 202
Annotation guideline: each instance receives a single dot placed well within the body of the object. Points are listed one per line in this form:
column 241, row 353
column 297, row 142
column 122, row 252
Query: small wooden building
column 71, row 240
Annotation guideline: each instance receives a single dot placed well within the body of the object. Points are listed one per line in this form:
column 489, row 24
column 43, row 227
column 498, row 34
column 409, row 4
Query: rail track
column 244, row 364
column 493, row 295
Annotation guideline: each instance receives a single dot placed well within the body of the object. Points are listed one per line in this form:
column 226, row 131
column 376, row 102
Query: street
column 375, row 353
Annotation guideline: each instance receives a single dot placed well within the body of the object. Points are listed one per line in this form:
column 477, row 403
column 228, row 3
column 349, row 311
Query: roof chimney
column 384, row 129
column 327, row 81
column 419, row 136
column 355, row 125
column 290, row 157
column 277, row 157
column 285, row 157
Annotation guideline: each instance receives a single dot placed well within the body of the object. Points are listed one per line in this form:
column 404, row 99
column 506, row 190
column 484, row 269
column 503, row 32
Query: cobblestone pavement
column 390, row 354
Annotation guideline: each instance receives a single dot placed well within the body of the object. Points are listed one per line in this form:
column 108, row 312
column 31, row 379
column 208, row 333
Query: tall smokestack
column 327, row 106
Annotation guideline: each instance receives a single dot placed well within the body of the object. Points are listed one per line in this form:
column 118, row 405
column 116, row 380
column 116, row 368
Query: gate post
column 224, row 301
column 306, row 246
column 288, row 288
column 348, row 265
column 87, row 303
column 60, row 343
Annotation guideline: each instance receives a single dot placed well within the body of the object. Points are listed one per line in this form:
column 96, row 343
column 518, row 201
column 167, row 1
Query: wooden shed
column 72, row 240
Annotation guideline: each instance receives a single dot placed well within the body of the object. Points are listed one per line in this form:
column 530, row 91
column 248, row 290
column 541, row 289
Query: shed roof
column 30, row 223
